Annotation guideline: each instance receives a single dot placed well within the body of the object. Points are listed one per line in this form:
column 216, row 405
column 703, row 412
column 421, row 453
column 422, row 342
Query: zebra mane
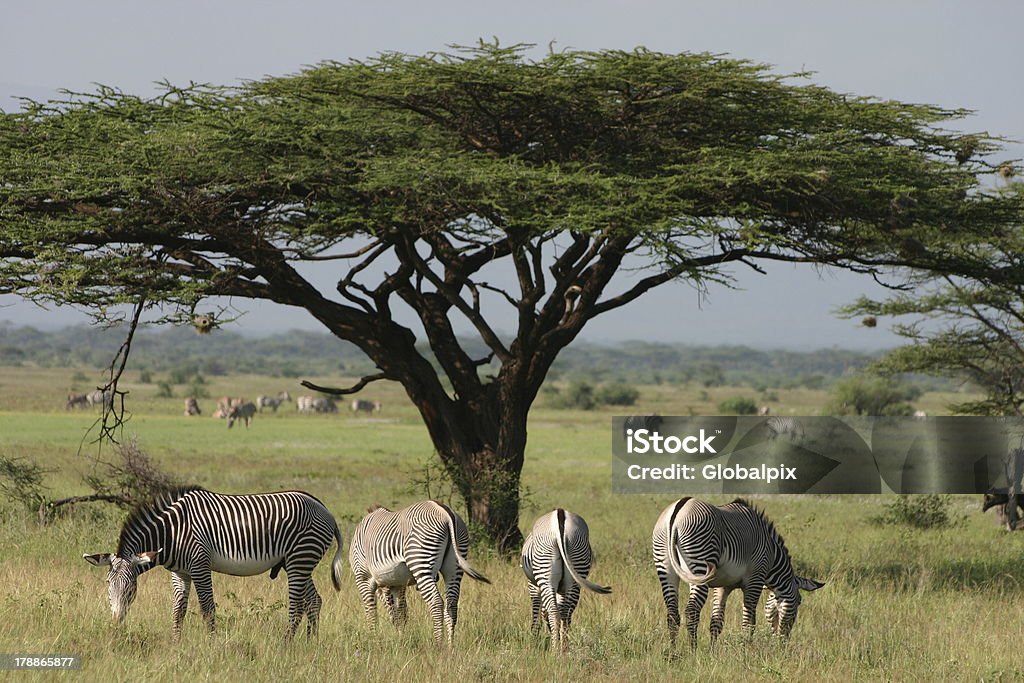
column 759, row 513
column 151, row 508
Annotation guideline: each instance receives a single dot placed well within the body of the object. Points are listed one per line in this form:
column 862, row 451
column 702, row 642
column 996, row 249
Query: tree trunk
column 481, row 443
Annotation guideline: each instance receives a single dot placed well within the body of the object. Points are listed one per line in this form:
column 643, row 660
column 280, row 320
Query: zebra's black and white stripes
column 193, row 532
column 394, row 550
column 727, row 547
column 557, row 559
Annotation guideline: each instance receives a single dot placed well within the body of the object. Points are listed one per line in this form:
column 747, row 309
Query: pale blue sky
column 952, row 53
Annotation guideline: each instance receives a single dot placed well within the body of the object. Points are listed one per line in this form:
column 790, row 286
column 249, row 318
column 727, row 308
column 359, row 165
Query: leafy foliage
column 415, row 174
column 925, row 511
column 738, row 405
column 872, row 395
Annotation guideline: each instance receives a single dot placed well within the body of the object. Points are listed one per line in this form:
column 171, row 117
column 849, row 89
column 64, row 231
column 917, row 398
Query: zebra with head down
column 727, row 547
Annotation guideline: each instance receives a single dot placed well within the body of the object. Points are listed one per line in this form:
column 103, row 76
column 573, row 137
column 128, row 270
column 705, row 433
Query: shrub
column 738, row 405
column 872, row 395
column 617, row 394
column 164, row 390
column 928, row 511
column 146, row 377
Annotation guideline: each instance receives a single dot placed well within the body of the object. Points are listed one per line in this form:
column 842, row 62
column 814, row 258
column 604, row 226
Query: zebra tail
column 463, row 562
column 567, row 561
column 338, row 563
column 675, row 556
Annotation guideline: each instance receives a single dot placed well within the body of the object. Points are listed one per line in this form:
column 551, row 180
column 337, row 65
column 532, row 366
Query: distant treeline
column 301, row 353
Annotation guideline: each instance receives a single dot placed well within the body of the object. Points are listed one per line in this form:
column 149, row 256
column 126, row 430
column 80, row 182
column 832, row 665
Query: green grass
column 900, row 604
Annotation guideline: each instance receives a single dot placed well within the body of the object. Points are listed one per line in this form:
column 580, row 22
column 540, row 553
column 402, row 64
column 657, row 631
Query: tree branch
column 355, row 388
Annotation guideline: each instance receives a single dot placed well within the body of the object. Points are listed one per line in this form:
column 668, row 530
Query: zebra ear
column 806, row 584
column 146, row 557
column 97, row 560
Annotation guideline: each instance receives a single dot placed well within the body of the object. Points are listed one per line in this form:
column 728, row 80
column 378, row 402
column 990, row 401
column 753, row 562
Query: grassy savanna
column 900, row 604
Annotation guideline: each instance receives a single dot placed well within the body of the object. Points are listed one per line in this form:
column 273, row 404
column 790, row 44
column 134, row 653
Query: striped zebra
column 727, row 547
column 272, row 402
column 556, row 560
column 242, row 411
column 393, row 550
column 193, row 532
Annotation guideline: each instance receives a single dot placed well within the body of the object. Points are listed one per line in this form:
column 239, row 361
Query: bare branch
column 355, row 388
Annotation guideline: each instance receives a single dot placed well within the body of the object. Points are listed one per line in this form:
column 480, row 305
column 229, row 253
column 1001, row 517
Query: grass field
column 900, row 604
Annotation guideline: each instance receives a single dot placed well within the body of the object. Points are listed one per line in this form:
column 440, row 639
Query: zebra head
column 784, row 602
column 122, row 578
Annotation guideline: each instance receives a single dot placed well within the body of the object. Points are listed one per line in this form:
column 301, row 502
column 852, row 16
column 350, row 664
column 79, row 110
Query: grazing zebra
column 784, row 427
column 100, row 398
column 393, row 550
column 192, row 407
column 225, row 404
column 193, row 532
column 556, row 560
column 242, row 411
column 272, row 402
column 361, row 406
column 323, row 405
column 76, row 401
column 732, row 546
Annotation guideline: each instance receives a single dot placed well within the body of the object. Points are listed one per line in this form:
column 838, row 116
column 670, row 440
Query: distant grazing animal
column 394, row 550
column 920, row 413
column 100, row 398
column 361, row 406
column 731, row 546
column 225, row 404
column 192, row 407
column 762, row 411
column 1000, row 500
column 76, row 401
column 324, row 405
column 784, row 427
column 304, row 404
column 193, row 532
column 556, row 559
column 272, row 402
column 242, row 411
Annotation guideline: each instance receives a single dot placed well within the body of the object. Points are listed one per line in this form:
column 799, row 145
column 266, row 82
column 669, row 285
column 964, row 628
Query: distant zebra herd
column 193, row 532
column 235, row 409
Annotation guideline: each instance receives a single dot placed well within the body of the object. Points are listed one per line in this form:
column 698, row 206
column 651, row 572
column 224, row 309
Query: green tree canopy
column 417, row 175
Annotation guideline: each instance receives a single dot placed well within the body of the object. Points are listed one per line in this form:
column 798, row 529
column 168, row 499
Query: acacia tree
column 968, row 327
column 418, row 177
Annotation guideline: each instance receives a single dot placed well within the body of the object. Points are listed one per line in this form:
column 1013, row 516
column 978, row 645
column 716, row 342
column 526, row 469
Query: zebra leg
column 182, row 584
column 670, row 592
column 300, row 582
column 698, row 596
column 549, row 606
column 771, row 612
column 572, row 599
column 452, row 587
column 204, row 591
column 368, row 592
column 535, row 609
column 401, row 606
column 718, row 600
column 751, row 596
column 313, row 602
column 427, row 585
